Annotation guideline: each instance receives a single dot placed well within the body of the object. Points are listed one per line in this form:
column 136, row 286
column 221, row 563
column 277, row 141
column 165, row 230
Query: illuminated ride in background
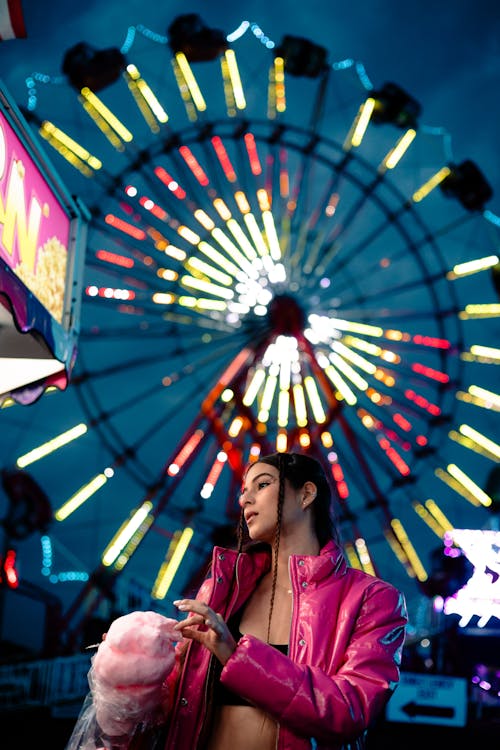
column 274, row 274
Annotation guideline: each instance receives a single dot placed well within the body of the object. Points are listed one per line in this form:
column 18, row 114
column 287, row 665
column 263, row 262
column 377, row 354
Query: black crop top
column 222, row 695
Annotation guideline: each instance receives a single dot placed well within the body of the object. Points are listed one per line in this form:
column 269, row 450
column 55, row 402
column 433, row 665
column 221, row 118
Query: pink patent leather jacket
column 345, row 646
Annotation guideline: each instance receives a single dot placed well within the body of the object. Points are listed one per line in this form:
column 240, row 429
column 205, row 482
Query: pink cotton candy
column 129, row 669
column 138, row 650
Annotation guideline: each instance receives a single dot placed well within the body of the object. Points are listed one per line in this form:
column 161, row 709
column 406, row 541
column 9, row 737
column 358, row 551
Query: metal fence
column 59, row 684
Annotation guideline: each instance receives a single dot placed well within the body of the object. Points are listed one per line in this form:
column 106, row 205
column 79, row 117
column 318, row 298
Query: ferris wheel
column 280, row 257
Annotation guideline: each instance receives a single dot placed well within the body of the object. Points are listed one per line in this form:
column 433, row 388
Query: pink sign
column 34, row 229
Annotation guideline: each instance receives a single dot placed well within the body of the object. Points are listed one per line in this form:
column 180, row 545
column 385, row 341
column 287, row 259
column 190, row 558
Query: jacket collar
column 258, row 561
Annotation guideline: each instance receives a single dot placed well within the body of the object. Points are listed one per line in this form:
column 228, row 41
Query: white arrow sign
column 429, row 699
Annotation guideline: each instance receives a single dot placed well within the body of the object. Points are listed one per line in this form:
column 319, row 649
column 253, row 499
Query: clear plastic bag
column 126, row 706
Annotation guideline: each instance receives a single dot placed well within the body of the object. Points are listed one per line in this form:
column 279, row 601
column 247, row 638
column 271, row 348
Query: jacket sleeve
column 310, row 701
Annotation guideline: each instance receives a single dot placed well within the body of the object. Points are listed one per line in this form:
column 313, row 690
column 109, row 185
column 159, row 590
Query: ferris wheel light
column 222, row 209
column 314, row 399
column 232, row 81
column 253, row 156
column 61, row 140
column 256, row 235
column 144, row 96
column 354, row 560
column 83, row 494
column 175, row 554
column 469, row 484
column 438, row 514
column 283, row 405
column 205, row 286
column 480, row 311
column 51, row 445
column 486, row 398
column 489, row 445
column 473, row 266
column 272, row 235
column 98, row 111
column 487, row 352
column 364, row 555
column 428, row 519
column 409, row 549
column 281, row 441
column 195, row 264
column 360, row 124
column 125, row 227
column 182, row 66
column 353, row 357
column 225, row 163
column 276, row 96
column 231, row 249
column 341, row 385
column 396, row 154
column 348, row 371
column 242, row 201
column 241, row 239
column 218, row 258
column 432, row 183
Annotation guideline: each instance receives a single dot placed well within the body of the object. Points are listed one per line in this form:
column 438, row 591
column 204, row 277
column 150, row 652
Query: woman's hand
column 207, row 627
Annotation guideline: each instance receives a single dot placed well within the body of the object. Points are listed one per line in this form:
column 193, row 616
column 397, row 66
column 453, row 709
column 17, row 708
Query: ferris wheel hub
column 286, row 315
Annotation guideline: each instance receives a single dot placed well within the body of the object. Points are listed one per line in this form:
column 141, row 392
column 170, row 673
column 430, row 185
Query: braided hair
column 297, row 468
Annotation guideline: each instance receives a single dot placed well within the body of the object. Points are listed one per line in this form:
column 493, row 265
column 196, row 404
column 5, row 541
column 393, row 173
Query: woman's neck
column 306, row 545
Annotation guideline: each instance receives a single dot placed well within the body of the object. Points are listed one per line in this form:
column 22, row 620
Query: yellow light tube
column 360, row 124
column 491, row 310
column 477, row 437
column 348, row 325
column 300, row 404
column 473, row 266
column 254, row 387
column 175, row 554
column 208, row 270
column 341, row 386
column 47, row 128
column 241, row 239
column 469, row 485
column 348, row 371
column 232, row 250
column 80, row 497
column 204, row 219
column 283, row 405
column 395, row 155
column 353, row 357
column 482, row 393
column 432, row 183
column 255, row 234
column 125, row 533
column 191, row 82
column 235, row 427
column 428, row 519
column 314, row 399
column 234, row 76
column 364, row 556
column 51, row 445
column 272, row 235
column 217, row 257
column 485, row 351
column 409, row 549
column 268, row 394
column 107, row 114
column 205, row 286
column 438, row 514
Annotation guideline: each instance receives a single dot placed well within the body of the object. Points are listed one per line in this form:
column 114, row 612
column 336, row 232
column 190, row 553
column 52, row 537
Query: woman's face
column 259, row 501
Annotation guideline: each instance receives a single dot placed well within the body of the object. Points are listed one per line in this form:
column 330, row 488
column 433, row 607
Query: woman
column 288, row 646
